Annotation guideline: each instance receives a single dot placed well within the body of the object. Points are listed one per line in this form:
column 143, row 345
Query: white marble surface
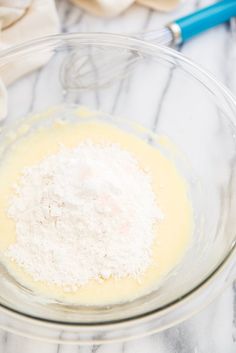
column 214, row 329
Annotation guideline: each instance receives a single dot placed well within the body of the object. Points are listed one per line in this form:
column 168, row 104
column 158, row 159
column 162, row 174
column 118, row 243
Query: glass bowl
column 131, row 83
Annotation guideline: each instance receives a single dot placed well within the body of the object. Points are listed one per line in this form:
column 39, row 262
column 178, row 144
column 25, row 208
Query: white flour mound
column 84, row 214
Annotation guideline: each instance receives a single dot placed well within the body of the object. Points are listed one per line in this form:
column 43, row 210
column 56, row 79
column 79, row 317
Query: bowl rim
column 100, row 38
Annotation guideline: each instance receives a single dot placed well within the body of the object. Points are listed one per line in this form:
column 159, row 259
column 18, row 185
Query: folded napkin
column 23, row 20
column 115, row 7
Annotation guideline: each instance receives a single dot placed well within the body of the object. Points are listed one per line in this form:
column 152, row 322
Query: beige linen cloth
column 115, row 7
column 22, row 20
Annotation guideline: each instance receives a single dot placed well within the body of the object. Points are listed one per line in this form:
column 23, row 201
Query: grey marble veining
column 214, row 329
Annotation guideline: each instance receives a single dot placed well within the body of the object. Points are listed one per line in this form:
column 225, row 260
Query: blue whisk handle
column 202, row 20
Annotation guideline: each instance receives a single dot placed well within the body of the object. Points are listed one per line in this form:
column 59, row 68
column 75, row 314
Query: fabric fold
column 21, row 21
column 110, row 8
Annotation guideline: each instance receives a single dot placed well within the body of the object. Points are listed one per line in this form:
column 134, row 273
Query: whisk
column 82, row 72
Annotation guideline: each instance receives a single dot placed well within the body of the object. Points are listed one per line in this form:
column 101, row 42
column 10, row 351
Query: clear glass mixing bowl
column 135, row 82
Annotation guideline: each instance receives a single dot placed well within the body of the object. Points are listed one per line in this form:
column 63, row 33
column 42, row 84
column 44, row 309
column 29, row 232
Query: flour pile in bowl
column 86, row 213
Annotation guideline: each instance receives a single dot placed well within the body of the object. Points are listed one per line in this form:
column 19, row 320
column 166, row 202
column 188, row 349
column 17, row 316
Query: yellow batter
column 172, row 237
